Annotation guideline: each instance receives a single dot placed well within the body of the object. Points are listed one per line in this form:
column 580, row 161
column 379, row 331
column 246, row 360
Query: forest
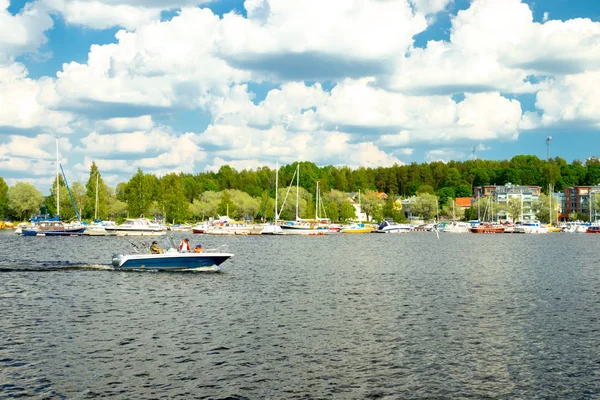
column 181, row 197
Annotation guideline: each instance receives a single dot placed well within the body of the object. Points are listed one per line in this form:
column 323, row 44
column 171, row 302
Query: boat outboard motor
column 116, row 260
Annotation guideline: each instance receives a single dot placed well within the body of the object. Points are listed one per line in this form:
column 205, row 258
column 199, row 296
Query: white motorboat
column 170, row 260
column 530, row 227
column 456, row 227
column 136, row 227
column 393, row 227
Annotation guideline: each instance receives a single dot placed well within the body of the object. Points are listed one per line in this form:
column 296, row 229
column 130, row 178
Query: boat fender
column 116, row 260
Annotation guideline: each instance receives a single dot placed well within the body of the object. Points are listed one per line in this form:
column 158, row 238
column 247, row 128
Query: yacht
column 530, row 227
column 136, row 227
column 455, row 227
column 393, row 227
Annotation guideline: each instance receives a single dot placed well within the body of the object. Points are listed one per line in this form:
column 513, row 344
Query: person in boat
column 184, row 246
column 154, row 249
column 198, row 249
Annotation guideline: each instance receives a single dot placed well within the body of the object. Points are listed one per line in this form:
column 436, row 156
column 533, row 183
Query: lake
column 368, row 316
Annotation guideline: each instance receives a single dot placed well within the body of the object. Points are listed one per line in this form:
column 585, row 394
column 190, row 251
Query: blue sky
column 191, row 85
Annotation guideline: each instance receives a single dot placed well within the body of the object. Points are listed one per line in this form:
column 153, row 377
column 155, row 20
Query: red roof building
column 463, row 202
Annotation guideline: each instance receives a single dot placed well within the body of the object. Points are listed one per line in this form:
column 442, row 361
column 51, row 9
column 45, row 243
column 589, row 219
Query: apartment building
column 502, row 194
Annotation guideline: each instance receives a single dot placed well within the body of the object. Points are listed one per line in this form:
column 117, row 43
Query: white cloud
column 24, row 102
column 24, row 32
column 143, row 123
column 138, row 142
column 430, row 6
column 572, row 99
column 38, row 147
column 157, row 151
column 557, row 47
column 33, row 159
column 444, row 155
column 312, row 39
column 103, row 14
column 495, row 46
column 159, row 66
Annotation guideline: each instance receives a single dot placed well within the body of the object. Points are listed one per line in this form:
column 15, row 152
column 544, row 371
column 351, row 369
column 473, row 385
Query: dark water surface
column 343, row 317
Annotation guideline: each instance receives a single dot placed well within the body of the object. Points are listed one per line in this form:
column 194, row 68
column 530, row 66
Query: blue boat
column 170, row 261
column 52, row 228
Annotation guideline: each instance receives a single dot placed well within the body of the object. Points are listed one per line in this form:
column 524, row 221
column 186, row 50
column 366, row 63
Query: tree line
column 183, row 197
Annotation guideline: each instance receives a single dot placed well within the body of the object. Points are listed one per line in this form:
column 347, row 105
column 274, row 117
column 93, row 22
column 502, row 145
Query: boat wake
column 67, row 266
column 51, row 266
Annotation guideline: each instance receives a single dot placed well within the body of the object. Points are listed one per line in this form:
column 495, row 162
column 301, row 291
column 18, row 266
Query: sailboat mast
column 359, row 207
column 478, row 205
column 297, row 188
column 276, row 187
column 96, row 206
column 550, row 203
column 453, row 210
column 317, row 203
column 57, row 182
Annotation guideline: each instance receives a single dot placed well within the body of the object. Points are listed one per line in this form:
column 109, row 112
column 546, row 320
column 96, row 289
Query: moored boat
column 272, row 229
column 455, row 227
column 393, row 227
column 530, row 227
column 303, row 228
column 52, row 228
column 200, row 228
column 487, row 228
column 357, row 228
column 136, row 227
column 593, row 229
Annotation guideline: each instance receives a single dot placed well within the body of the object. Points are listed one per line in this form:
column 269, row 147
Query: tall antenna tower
column 474, row 148
column 548, row 142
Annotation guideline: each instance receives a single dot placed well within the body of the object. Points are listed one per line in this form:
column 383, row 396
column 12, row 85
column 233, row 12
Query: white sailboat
column 274, row 229
column 300, row 226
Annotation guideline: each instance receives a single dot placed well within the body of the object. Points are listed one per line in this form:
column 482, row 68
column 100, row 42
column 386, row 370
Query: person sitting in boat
column 184, row 246
column 198, row 249
column 154, row 249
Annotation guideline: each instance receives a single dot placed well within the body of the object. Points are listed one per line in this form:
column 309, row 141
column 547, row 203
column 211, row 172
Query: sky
column 192, row 85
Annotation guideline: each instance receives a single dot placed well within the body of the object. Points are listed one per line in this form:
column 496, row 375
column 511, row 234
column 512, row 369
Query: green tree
column 463, row 191
column 141, row 190
column 226, row 206
column 24, row 200
column 452, row 213
column 117, row 208
column 50, row 201
column 347, row 211
column 172, row 199
column 90, row 210
column 514, row 207
column 79, row 196
column 425, row 205
column 425, row 189
column 244, row 204
column 393, row 209
column 445, row 195
column 3, row 198
column 542, row 209
column 331, row 211
column 371, row 205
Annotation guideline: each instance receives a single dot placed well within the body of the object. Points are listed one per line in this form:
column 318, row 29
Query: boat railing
column 218, row 249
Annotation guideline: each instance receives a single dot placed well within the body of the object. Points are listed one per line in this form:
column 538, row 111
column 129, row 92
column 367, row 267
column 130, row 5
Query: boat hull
column 487, row 230
column 62, row 232
column 170, row 261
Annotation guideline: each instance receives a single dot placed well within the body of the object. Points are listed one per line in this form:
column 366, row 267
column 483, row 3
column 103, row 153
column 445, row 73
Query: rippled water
column 351, row 317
